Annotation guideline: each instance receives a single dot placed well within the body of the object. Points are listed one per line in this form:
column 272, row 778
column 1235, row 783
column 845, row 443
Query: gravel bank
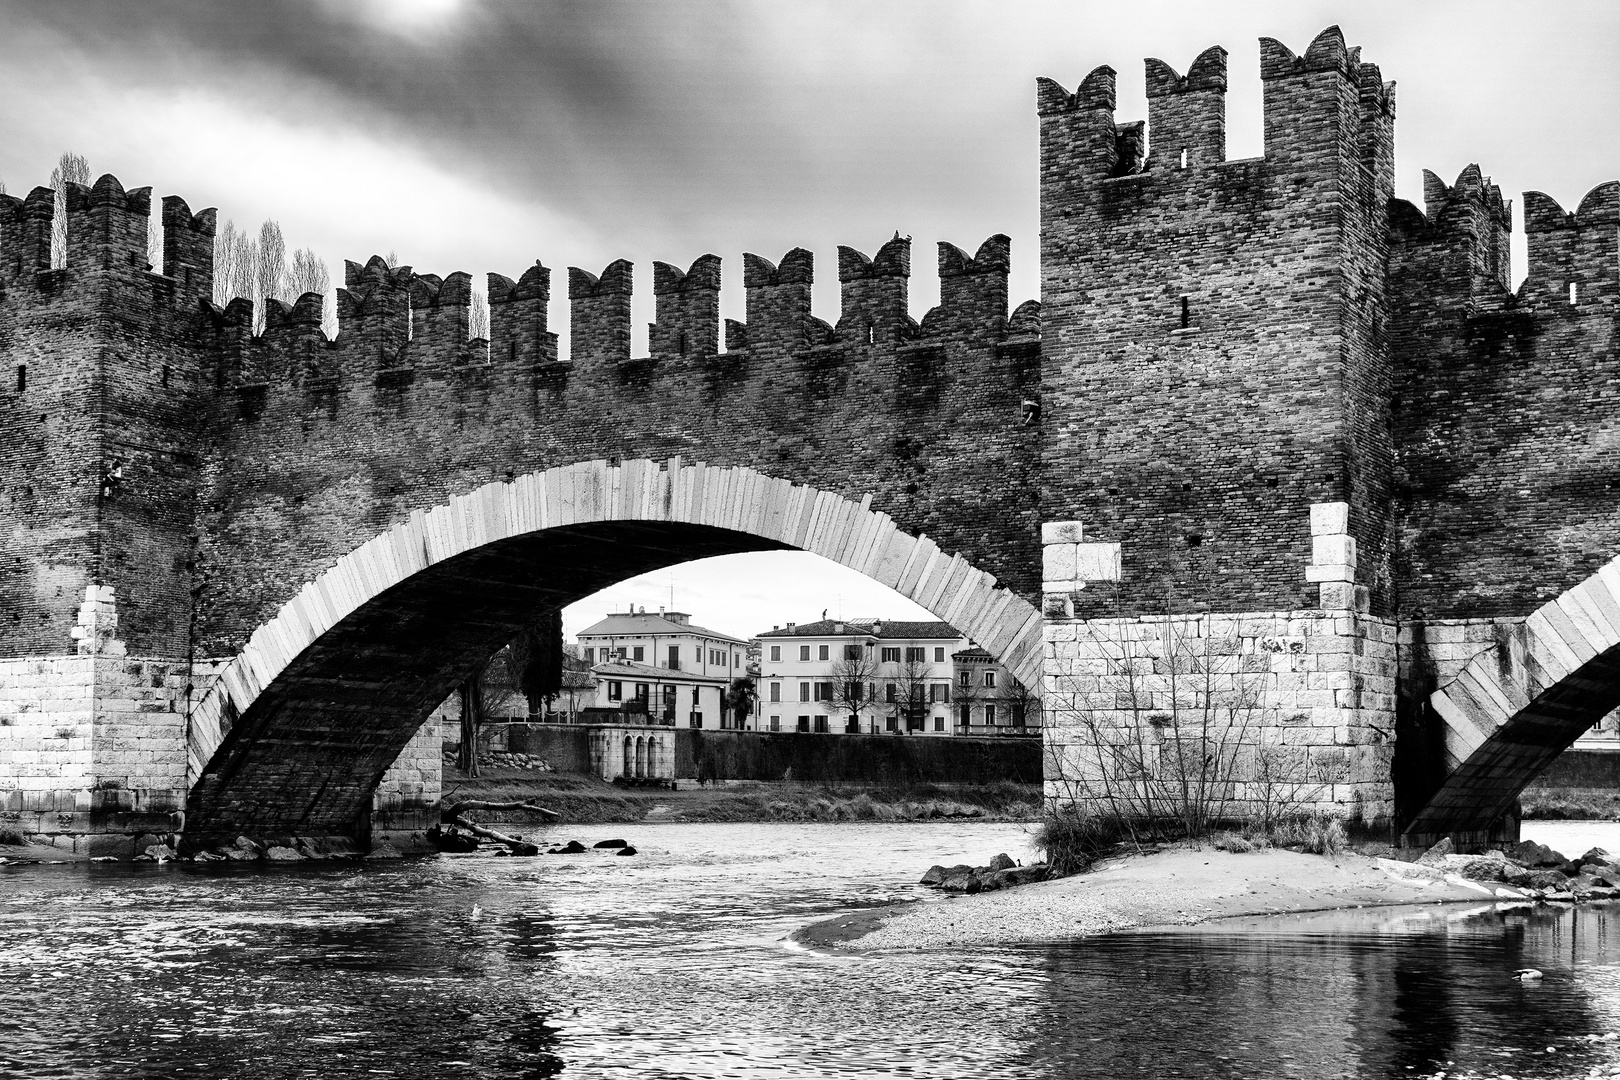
column 1175, row 887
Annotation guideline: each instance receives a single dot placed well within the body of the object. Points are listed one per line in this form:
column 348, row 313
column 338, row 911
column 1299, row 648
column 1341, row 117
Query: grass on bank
column 1550, row 803
column 587, row 800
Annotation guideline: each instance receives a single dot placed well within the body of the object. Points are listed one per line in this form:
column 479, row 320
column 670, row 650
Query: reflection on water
column 670, row 964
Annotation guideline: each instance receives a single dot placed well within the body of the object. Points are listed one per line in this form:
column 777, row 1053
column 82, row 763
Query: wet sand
column 1177, row 887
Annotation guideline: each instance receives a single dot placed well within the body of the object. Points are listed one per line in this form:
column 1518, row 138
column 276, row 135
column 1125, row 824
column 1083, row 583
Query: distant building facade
column 662, row 695
column 860, row 676
column 989, row 700
column 662, row 667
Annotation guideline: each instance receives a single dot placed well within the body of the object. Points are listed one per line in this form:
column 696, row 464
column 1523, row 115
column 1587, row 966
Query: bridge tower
column 106, row 369
column 1216, row 439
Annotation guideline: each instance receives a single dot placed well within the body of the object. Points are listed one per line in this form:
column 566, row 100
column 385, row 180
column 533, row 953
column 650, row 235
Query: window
column 855, row 691
column 990, row 678
column 736, row 660
column 776, row 691
column 891, row 656
column 967, row 714
column 804, row 652
column 776, row 723
column 989, row 716
column 916, row 655
column 697, row 694
column 852, row 652
column 939, row 723
column 891, row 724
column 891, row 692
column 638, row 654
column 590, row 656
column 804, row 723
column 964, row 678
column 939, row 691
column 675, row 657
column 824, row 691
column 697, row 653
column 776, row 654
column 620, row 653
column 939, row 656
column 821, row 653
column 641, row 691
column 804, row 691
column 821, row 725
column 615, row 691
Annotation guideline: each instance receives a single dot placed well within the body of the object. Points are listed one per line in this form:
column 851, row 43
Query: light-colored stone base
column 406, row 802
column 1294, row 710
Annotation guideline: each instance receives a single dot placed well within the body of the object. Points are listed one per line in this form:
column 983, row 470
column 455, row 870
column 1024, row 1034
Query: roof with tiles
column 624, row 624
column 884, row 629
column 625, row 669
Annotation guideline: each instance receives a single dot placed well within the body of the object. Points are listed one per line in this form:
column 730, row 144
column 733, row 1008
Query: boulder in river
column 611, row 843
column 384, row 850
column 1534, row 855
column 1002, row 862
column 278, row 853
column 573, row 847
column 626, row 850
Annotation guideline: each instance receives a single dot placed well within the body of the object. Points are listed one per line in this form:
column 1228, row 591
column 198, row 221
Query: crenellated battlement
column 1455, row 249
column 1572, row 255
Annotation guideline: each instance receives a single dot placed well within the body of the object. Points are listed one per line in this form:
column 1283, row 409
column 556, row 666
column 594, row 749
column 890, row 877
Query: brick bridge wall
column 1262, row 387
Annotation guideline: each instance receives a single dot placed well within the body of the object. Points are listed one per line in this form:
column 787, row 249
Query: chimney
column 838, row 628
column 792, row 625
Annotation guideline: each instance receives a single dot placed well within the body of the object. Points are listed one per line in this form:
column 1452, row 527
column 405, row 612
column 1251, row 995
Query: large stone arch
column 1515, row 707
column 302, row 722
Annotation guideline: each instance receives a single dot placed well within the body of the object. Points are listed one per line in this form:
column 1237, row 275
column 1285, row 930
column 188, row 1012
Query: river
column 671, row 963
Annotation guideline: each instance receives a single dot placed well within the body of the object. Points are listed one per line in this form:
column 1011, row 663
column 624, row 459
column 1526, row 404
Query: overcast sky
column 483, row 136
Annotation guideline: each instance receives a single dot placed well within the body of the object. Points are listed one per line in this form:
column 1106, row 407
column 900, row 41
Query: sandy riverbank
column 1168, row 888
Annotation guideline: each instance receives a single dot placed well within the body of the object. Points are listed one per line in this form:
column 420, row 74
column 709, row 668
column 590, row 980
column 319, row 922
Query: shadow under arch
column 302, row 723
column 1516, row 706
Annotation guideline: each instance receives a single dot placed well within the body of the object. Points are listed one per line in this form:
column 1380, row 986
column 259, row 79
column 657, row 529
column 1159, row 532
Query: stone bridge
column 1268, row 426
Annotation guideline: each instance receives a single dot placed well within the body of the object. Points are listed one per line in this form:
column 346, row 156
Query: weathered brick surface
column 319, row 446
column 1212, row 331
column 1506, row 409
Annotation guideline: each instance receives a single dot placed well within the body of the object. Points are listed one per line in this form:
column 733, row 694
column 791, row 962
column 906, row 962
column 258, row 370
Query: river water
column 671, row 963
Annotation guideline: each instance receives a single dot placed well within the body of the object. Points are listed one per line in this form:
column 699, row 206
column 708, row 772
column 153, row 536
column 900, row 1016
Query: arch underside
column 1516, row 707
column 306, row 755
column 301, row 725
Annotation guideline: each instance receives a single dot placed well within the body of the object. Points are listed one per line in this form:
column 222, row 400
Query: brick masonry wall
column 1211, row 330
column 1506, row 414
column 99, row 416
column 318, row 447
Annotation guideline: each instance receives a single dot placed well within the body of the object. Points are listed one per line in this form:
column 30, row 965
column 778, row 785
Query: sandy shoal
column 1175, row 887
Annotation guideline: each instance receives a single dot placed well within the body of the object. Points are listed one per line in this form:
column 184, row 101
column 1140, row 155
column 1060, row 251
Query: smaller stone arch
column 1517, row 706
column 629, row 757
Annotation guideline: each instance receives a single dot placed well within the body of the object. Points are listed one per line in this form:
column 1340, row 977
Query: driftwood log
column 456, row 815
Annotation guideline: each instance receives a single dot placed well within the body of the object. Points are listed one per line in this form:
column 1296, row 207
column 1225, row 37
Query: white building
column 865, row 676
column 679, row 673
column 666, row 640
column 660, row 694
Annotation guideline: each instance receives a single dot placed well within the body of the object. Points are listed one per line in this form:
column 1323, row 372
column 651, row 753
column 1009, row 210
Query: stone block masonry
column 1292, row 709
column 406, row 802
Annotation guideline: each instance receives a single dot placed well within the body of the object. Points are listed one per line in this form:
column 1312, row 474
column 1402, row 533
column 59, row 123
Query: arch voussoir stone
column 1515, row 707
column 735, row 499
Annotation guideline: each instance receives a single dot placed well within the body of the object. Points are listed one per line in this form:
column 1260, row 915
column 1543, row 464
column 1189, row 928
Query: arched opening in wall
column 629, row 756
column 308, row 717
